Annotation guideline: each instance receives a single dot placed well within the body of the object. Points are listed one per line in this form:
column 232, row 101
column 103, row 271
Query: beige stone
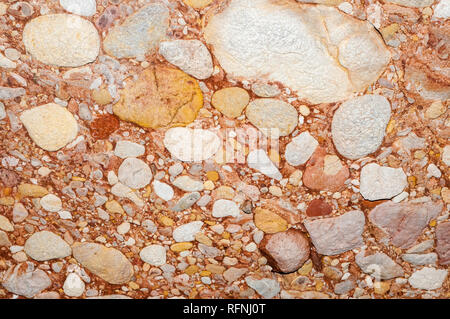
column 31, row 190
column 230, row 101
column 161, row 97
column 197, row 4
column 50, row 126
column 269, row 222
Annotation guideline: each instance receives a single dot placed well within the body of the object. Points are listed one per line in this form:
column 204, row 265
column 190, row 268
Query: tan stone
column 179, row 247
column 269, row 222
column 31, row 190
column 7, row 201
column 230, row 101
column 50, row 126
column 107, row 263
column 197, row 4
column 5, row 224
column 113, row 207
column 215, row 269
column 436, row 109
column 161, row 97
column 203, row 239
column 381, row 287
column 101, row 96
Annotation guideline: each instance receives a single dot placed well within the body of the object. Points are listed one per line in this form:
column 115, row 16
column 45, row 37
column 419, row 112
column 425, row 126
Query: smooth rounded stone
column 191, row 145
column 325, row 172
column 6, row 63
column 7, row 93
column 359, row 125
column 107, row 263
column 139, row 34
column 268, row 221
column 318, row 207
column 272, row 117
column 191, row 56
column 186, row 202
column 85, row 8
column 187, row 231
column 24, row 280
column 73, row 285
column 443, row 242
column 5, row 224
column 379, row 182
column 335, row 235
column 230, row 101
column 175, row 169
column 134, row 173
column 50, row 126
column 188, row 184
column 379, row 265
column 300, row 149
column 420, row 259
column 125, row 149
column 258, row 160
column 163, row 190
column 265, row 90
column 428, row 278
column 161, row 97
column 19, row 213
column 64, row 40
column 46, row 245
column 442, row 10
column 285, row 251
column 123, row 228
column 154, row 255
column 412, row 3
column 344, row 287
column 268, row 288
column 51, row 203
column 225, row 208
column 403, row 223
column 320, row 52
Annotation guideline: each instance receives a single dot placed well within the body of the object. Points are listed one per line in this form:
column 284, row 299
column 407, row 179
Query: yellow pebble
column 212, row 176
column 166, row 221
column 192, row 269
column 208, row 185
column 179, row 247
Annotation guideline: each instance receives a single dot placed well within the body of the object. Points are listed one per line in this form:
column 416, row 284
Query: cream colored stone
column 50, row 126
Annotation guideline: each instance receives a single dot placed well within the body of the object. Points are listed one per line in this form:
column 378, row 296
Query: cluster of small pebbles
column 224, row 149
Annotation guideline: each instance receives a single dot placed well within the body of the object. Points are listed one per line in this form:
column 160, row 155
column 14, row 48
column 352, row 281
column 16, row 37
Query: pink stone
column 403, row 223
column 285, row 251
column 443, row 242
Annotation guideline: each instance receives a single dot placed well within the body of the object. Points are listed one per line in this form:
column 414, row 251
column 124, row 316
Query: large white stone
column 300, row 149
column 73, row 285
column 379, row 182
column 85, row 8
column 258, row 160
column 154, row 255
column 191, row 145
column 442, row 10
column 187, row 231
column 163, row 190
column 224, row 208
column 413, row 3
column 318, row 51
column 191, row 56
column 50, row 126
column 359, row 125
column 428, row 278
column 46, row 245
column 51, row 203
column 65, row 40
column 134, row 173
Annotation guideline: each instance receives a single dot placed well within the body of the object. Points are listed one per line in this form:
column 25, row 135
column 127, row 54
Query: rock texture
column 285, row 251
column 107, row 263
column 161, row 97
column 379, row 182
column 294, row 44
column 335, row 235
column 23, row 279
column 62, row 40
column 379, row 265
column 359, row 125
column 139, row 34
column 402, row 223
column 191, row 56
column 443, row 242
column 46, row 245
column 50, row 126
